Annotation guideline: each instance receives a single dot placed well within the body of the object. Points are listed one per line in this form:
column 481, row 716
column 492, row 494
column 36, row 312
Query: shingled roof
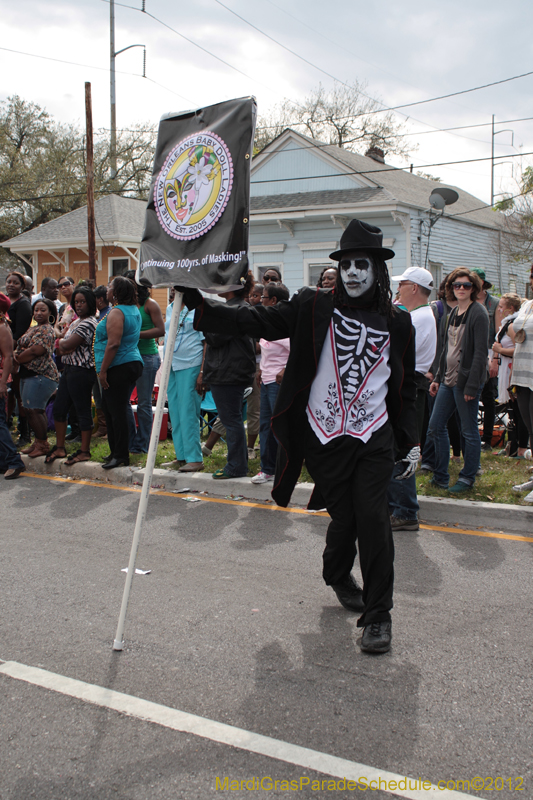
column 118, row 219
column 303, row 200
column 400, row 185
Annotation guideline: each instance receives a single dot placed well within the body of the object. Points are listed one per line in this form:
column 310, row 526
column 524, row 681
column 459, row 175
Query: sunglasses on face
column 462, row 285
column 62, row 285
column 270, row 278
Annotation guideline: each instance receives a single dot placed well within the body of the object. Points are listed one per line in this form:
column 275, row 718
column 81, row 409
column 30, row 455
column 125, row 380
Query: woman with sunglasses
column 271, row 274
column 460, row 378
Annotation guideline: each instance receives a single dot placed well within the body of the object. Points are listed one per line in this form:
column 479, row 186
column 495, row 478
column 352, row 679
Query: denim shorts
column 36, row 391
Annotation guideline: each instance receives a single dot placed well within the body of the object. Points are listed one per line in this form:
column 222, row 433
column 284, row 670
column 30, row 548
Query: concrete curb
column 433, row 510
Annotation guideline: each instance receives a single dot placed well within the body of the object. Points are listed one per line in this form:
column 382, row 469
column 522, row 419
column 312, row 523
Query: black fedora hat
column 362, row 236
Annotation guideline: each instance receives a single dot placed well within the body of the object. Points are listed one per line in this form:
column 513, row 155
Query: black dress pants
column 353, row 477
column 121, row 380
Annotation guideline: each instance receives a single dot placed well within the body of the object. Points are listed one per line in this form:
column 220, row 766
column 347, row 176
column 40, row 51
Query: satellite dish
column 441, row 197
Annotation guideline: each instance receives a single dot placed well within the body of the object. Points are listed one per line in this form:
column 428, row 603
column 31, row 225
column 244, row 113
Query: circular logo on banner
column 194, row 185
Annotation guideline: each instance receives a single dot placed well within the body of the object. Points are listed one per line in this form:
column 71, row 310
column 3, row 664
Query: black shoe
column 22, row 441
column 13, row 473
column 116, row 462
column 377, row 637
column 108, row 458
column 349, row 594
column 401, row 524
column 486, row 447
column 73, row 437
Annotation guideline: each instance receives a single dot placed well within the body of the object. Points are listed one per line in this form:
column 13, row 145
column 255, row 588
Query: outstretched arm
column 271, row 323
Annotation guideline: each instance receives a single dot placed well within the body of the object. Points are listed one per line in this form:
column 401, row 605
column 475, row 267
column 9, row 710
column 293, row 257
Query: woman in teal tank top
column 119, row 365
column 151, row 328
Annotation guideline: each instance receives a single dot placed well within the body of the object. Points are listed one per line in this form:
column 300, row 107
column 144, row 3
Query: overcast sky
column 404, row 52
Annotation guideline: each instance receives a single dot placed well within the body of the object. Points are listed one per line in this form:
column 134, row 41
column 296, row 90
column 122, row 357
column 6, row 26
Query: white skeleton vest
column 348, row 394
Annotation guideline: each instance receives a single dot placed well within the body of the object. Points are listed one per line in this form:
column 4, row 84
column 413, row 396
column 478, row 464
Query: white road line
column 181, row 721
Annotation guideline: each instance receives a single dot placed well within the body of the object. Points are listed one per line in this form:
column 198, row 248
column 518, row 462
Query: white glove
column 411, row 463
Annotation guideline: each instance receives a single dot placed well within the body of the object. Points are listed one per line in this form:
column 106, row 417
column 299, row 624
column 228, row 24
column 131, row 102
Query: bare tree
column 517, row 240
column 343, row 116
column 42, row 166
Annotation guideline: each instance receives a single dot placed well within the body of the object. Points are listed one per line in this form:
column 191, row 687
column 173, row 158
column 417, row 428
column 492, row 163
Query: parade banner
column 198, row 213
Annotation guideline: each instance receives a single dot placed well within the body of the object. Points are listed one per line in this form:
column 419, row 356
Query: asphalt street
column 234, row 624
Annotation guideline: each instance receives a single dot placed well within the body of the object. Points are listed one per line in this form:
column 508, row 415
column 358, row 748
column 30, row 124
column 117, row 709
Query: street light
column 438, row 200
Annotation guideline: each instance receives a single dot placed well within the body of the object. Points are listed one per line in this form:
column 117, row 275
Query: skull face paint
column 357, row 273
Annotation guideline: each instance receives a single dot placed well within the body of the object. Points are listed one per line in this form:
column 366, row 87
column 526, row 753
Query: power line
column 195, row 44
column 279, row 180
column 388, row 169
column 386, row 108
column 62, row 61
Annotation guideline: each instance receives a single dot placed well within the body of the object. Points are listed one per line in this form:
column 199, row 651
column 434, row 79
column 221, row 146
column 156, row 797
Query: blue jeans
column 9, row 458
column 402, row 497
column 267, row 440
column 229, row 399
column 447, row 401
column 140, row 435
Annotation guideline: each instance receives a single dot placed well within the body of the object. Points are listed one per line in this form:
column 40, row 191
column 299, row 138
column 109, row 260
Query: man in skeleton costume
column 347, row 397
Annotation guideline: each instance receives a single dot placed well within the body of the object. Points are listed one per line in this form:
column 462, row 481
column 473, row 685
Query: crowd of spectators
column 82, row 356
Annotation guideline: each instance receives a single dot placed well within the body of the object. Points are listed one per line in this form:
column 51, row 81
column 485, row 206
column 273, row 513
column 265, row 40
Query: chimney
column 376, row 153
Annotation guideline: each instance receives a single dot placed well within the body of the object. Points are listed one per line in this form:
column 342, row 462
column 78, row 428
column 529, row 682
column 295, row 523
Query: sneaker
column 376, row 637
column 528, row 498
column 262, row 477
column 424, row 469
column 486, row 447
column 221, row 475
column 523, row 487
column 400, row 524
column 206, row 451
column 251, row 453
column 479, row 471
column 459, row 488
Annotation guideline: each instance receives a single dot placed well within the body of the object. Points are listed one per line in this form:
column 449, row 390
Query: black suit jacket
column 305, row 320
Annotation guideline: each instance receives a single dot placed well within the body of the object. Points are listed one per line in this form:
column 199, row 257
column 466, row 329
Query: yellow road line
column 247, row 504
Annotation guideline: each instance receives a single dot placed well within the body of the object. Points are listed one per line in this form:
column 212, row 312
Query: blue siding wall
column 292, row 258
column 293, row 161
column 456, row 243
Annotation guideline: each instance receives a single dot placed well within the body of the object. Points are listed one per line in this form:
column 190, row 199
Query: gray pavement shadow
column 414, row 572
column 478, row 554
column 165, row 507
column 340, row 701
column 260, row 529
column 76, row 504
column 29, row 495
column 202, row 522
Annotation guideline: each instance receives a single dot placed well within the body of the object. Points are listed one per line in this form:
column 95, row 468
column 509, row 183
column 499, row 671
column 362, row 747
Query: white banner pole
column 118, row 644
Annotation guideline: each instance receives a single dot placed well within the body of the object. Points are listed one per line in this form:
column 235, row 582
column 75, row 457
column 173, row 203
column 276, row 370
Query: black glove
column 191, row 297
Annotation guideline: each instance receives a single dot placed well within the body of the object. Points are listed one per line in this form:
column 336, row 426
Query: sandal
column 76, row 458
column 53, row 455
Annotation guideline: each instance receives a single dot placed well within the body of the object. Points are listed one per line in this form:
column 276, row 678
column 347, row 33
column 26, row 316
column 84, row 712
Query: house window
column 313, row 269
column 512, row 283
column 119, row 266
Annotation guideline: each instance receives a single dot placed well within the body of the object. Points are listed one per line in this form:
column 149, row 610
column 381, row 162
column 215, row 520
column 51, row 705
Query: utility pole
column 491, row 164
column 495, row 133
column 90, row 182
column 113, row 138
column 113, row 54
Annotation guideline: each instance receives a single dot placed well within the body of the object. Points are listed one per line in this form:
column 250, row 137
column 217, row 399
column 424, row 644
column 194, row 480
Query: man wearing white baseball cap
column 414, row 289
